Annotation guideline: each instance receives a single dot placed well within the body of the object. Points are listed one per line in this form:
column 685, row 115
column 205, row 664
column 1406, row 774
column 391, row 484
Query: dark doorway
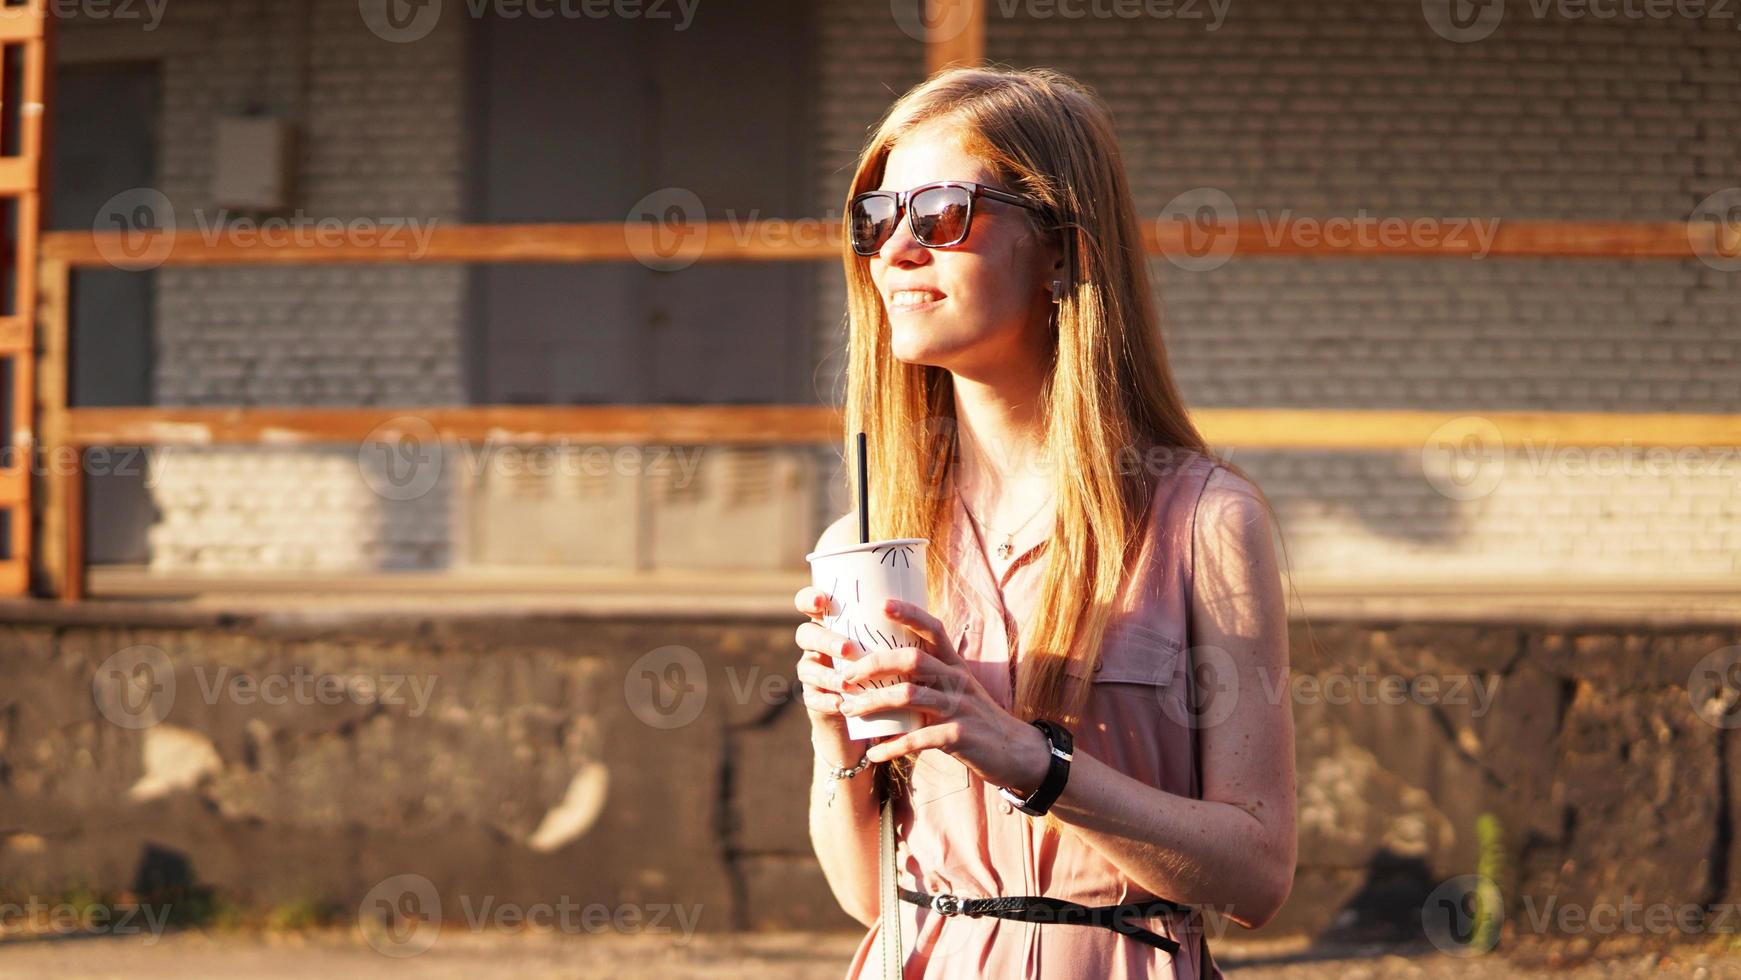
column 104, row 125
column 580, row 119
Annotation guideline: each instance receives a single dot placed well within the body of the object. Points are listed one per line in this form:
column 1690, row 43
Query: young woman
column 1093, row 566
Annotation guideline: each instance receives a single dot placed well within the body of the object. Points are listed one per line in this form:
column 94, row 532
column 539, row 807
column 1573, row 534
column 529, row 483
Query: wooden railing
column 66, row 432
column 956, row 36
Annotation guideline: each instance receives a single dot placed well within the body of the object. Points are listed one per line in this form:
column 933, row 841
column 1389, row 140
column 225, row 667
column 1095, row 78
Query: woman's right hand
column 822, row 648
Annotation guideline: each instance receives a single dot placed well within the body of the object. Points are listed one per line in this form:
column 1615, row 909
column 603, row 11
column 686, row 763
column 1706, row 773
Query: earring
column 1057, row 290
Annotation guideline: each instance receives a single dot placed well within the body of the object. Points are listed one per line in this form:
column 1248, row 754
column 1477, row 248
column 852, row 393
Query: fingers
column 815, row 675
column 822, row 702
column 945, row 735
column 908, row 663
column 814, row 636
column 927, row 626
column 811, row 601
column 938, row 703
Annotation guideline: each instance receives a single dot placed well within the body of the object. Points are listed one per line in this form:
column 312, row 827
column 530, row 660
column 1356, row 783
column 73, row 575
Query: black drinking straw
column 863, row 494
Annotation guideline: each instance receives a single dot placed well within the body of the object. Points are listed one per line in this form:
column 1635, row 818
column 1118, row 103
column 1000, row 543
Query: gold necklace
column 1009, row 541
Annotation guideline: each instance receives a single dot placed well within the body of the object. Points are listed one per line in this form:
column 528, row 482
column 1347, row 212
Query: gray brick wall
column 1357, row 107
column 379, row 137
column 1319, row 110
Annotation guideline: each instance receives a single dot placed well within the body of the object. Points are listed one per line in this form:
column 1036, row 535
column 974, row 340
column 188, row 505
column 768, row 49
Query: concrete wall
column 531, row 757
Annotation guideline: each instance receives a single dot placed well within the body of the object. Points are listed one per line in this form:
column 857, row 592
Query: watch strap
column 1060, row 748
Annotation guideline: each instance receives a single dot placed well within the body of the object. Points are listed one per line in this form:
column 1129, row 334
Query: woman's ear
column 1061, row 271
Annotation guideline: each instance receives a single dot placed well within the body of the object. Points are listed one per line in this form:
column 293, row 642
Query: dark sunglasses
column 939, row 214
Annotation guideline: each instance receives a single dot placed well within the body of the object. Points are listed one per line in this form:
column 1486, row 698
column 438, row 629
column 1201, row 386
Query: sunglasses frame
column 903, row 198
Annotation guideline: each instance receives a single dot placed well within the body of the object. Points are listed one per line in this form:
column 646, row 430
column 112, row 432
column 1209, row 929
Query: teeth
column 911, row 297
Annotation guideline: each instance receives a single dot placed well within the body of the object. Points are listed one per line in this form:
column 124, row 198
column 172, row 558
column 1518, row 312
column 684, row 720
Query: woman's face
column 976, row 309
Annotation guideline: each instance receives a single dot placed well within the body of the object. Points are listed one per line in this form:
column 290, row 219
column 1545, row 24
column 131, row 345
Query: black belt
column 1038, row 908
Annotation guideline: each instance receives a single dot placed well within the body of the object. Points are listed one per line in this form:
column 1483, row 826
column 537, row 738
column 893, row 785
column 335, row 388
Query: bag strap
column 888, row 896
column 1204, row 967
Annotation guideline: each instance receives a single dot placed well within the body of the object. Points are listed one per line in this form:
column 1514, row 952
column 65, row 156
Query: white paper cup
column 858, row 580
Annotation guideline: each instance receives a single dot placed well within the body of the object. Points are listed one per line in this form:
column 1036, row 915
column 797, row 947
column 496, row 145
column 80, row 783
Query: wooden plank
column 15, row 572
column 513, row 425
column 16, row 334
column 72, row 543
column 21, row 177
column 390, row 242
column 954, row 33
column 52, row 309
column 1309, row 428
column 17, row 174
column 807, row 240
column 797, row 424
column 1429, row 238
column 21, row 23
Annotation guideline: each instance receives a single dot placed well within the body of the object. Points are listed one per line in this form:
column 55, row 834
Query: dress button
column 1098, row 665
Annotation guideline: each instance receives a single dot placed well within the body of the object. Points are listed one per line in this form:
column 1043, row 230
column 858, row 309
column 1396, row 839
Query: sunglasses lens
column 940, row 215
column 872, row 219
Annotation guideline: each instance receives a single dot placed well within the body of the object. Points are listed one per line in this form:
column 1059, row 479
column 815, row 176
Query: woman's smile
column 914, row 300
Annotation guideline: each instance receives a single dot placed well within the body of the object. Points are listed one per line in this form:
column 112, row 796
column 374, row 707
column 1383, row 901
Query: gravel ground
column 338, row 954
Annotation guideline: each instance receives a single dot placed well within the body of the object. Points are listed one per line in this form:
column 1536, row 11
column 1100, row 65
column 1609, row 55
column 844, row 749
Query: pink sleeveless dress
column 957, row 835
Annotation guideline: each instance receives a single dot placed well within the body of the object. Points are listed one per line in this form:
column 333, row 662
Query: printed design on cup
column 858, row 628
column 859, row 580
column 895, row 556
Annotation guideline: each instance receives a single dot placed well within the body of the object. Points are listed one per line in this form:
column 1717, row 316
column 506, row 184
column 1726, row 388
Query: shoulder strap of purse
column 888, row 898
column 1192, row 693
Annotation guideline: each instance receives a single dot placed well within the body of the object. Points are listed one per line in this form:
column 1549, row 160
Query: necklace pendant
column 1003, row 550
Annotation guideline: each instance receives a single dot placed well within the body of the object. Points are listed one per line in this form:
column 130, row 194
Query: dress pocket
column 937, row 775
column 1137, row 655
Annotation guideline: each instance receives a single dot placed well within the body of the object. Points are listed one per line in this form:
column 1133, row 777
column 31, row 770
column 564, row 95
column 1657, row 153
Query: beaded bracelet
column 837, row 773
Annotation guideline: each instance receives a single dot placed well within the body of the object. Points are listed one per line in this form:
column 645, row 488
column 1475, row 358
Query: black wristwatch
column 1060, row 743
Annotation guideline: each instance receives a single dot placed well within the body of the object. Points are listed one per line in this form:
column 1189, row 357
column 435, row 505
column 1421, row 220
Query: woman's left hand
column 960, row 717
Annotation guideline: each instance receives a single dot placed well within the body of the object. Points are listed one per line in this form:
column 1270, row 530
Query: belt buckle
column 946, row 904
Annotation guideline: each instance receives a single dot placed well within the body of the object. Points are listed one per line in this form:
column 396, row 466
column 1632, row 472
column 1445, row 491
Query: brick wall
column 379, row 137
column 1359, row 108
column 1320, row 110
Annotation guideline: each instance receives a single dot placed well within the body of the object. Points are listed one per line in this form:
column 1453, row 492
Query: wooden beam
column 22, row 178
column 954, row 33
column 23, row 22
column 1384, row 429
column 515, row 425
column 72, row 542
column 372, row 241
column 806, row 240
column 1430, row 238
column 53, row 299
column 1281, row 428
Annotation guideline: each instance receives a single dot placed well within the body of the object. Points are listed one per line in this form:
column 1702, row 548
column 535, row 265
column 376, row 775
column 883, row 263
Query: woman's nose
column 902, row 248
